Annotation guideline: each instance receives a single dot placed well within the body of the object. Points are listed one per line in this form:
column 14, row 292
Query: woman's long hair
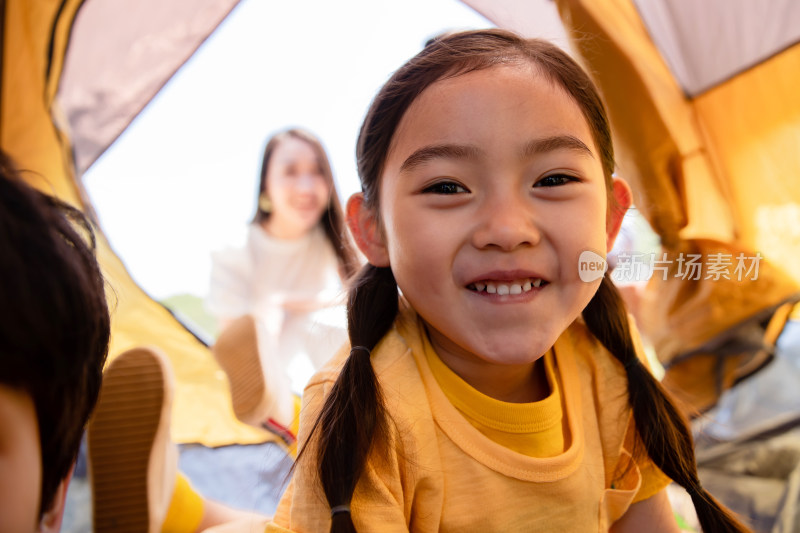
column 353, row 417
column 333, row 218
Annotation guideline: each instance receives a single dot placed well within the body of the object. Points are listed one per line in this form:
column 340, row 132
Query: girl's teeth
column 503, row 289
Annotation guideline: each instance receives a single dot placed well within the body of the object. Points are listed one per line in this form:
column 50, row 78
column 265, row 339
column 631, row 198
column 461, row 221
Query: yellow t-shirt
column 534, row 429
column 435, row 471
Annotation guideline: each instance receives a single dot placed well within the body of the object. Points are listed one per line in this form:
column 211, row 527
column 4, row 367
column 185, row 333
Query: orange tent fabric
column 37, row 131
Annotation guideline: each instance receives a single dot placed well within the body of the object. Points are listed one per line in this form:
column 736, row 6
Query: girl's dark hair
column 333, row 217
column 54, row 323
column 353, row 418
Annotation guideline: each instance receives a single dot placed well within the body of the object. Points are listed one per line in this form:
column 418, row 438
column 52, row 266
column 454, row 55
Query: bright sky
column 181, row 181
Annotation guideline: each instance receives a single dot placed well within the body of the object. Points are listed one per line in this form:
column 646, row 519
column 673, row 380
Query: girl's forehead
column 505, row 102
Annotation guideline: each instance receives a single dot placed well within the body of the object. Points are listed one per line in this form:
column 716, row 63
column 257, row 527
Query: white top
column 293, row 289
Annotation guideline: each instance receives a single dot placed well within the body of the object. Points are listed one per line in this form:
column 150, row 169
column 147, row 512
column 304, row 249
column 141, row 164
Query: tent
column 64, row 98
column 704, row 114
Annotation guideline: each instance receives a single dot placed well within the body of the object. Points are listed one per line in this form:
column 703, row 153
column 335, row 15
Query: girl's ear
column 365, row 227
column 623, row 197
column 52, row 518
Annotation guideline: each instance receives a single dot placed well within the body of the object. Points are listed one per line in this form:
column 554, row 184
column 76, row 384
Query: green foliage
column 191, row 311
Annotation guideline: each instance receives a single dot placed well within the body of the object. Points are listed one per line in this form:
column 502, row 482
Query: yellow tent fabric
column 29, row 82
column 715, row 175
column 35, row 35
column 752, row 124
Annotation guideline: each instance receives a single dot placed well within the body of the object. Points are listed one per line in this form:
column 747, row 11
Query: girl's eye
column 444, row 187
column 555, row 180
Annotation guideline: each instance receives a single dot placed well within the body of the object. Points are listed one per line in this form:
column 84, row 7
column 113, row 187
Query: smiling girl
column 500, row 392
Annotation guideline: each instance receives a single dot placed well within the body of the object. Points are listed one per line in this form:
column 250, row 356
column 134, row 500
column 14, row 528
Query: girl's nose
column 506, row 224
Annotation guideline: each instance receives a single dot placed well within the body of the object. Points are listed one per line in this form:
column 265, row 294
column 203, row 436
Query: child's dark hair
column 353, row 416
column 54, row 325
column 333, row 217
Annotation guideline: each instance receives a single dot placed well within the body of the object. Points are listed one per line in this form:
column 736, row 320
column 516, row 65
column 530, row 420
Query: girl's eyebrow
column 556, row 142
column 438, row 151
column 468, row 151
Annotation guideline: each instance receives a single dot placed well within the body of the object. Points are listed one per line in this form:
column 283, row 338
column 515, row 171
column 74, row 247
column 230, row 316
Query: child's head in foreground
column 54, row 336
column 486, row 165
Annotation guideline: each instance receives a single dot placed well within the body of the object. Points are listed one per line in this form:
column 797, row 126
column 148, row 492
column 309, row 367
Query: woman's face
column 298, row 189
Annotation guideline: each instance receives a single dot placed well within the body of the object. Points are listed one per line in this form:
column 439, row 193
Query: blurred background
column 181, row 181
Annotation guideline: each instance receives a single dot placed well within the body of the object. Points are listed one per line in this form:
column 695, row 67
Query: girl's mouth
column 502, row 288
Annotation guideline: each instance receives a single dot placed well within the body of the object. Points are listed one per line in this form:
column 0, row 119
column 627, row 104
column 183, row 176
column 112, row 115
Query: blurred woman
column 278, row 299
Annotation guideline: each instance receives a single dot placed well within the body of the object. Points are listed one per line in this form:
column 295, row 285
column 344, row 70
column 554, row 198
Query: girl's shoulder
column 327, row 374
column 390, row 356
column 395, row 367
column 401, row 387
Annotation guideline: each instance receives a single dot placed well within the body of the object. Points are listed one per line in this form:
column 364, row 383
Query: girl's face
column 297, row 187
column 491, row 191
